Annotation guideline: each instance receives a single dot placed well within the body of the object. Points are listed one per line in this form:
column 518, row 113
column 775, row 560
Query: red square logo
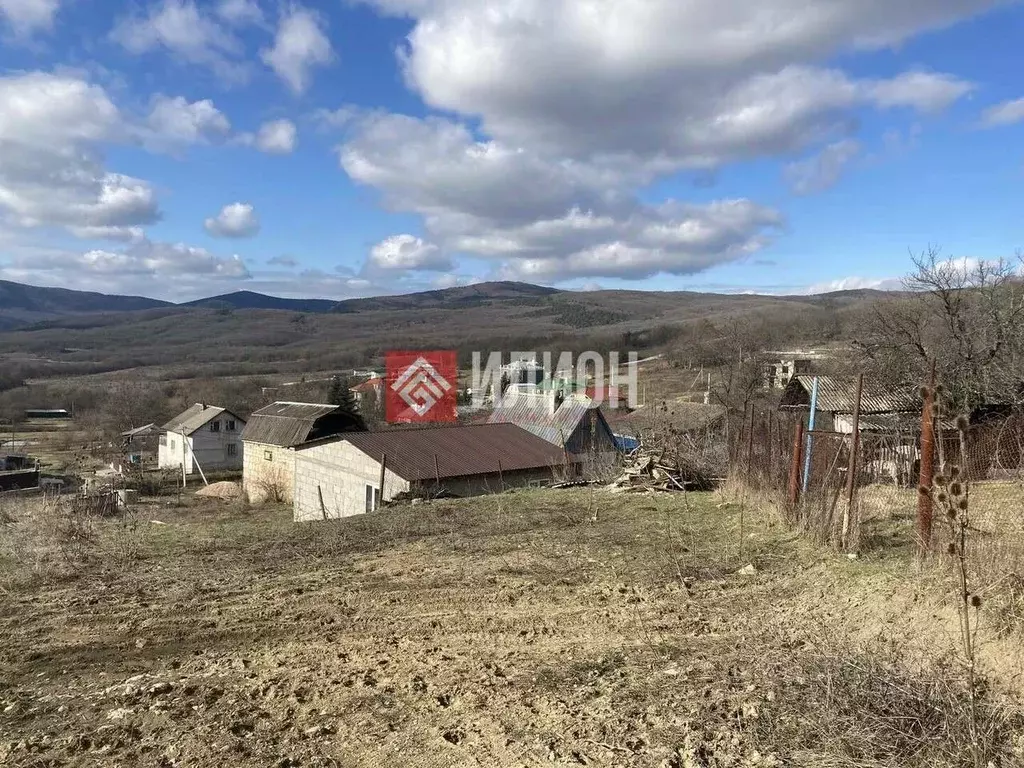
column 421, row 386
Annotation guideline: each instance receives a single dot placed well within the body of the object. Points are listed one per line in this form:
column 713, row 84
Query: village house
column 203, row 438
column 354, row 473
column 141, row 444
column 779, row 373
column 882, row 409
column 372, row 387
column 271, row 437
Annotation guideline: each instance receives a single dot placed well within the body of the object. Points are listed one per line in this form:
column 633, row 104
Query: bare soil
column 561, row 627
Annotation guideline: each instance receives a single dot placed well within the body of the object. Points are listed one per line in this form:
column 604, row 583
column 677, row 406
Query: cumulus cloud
column 584, row 76
column 576, row 105
column 189, row 35
column 290, row 262
column 824, row 170
column 27, row 16
column 131, row 265
column 299, row 45
column 174, row 121
column 1004, row 113
column 234, row 220
column 275, row 137
column 52, row 129
column 538, row 218
column 402, row 252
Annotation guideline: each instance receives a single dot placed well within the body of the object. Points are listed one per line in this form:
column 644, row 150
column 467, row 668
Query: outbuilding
column 271, row 437
column 354, row 473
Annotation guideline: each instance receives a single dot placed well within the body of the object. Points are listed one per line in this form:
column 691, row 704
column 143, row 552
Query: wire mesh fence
column 828, row 481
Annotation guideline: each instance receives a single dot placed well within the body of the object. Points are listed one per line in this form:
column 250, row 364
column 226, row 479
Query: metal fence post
column 924, row 496
column 810, row 438
column 851, row 469
column 794, row 466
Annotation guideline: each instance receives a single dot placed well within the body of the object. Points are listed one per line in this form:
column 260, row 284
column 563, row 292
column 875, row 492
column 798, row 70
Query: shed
column 205, row 437
column 271, row 436
column 576, row 425
column 882, row 408
column 341, row 476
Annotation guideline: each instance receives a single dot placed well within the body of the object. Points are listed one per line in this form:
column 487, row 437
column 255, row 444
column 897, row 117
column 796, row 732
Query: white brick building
column 204, row 436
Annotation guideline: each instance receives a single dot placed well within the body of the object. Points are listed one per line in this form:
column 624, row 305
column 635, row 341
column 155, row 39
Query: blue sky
column 354, row 147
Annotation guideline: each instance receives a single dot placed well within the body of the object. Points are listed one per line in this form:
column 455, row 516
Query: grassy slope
column 510, row 630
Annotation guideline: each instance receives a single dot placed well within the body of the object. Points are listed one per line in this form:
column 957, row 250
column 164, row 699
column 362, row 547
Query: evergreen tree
column 340, row 394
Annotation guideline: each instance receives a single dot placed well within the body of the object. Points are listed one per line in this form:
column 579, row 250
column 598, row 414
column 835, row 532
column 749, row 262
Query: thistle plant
column 951, row 495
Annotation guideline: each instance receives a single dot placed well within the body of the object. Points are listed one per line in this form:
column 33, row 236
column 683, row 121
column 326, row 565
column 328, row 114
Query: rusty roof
column 288, row 424
column 460, row 451
column 840, row 396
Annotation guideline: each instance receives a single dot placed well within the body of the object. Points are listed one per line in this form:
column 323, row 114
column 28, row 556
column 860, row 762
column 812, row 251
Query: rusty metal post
column 794, row 466
column 924, row 496
column 383, row 469
column 851, row 468
column 750, row 444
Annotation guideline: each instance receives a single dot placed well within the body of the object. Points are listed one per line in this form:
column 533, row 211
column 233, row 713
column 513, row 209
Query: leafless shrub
column 270, row 487
column 47, row 537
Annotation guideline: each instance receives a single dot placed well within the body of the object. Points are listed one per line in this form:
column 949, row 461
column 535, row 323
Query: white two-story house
column 204, row 435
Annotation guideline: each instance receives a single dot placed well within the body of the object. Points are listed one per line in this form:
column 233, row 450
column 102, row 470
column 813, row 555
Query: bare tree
column 965, row 315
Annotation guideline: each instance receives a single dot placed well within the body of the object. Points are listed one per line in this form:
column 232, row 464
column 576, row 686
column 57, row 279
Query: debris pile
column 660, row 471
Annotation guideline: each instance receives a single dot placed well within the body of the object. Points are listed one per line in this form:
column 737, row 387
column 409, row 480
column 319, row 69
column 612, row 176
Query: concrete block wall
column 341, row 472
column 259, row 472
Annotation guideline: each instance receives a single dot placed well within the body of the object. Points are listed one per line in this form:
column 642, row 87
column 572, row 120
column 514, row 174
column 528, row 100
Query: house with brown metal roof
column 354, row 473
column 271, row 436
column 203, row 438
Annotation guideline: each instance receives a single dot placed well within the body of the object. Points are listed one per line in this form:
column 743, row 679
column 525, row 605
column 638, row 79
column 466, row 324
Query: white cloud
column 299, row 45
column 234, row 220
column 580, row 77
column 52, row 129
column 275, row 137
column 240, row 12
column 189, row 35
column 139, row 260
column 856, row 284
column 289, row 262
column 402, row 252
column 1004, row 113
column 824, row 170
column 27, row 16
column 176, row 121
column 542, row 219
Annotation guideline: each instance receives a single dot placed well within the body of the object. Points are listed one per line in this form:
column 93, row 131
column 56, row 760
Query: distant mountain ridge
column 24, row 305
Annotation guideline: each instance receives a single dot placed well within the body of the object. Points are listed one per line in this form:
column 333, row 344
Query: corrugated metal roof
column 840, row 395
column 473, row 449
column 195, row 418
column 288, row 424
column 556, row 428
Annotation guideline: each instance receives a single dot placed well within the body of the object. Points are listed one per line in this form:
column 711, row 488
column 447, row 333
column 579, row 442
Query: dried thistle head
column 951, row 513
column 976, row 601
column 924, row 392
column 954, row 471
column 951, row 549
column 941, row 497
column 957, row 489
column 962, row 504
column 962, row 423
column 924, row 490
column 940, row 480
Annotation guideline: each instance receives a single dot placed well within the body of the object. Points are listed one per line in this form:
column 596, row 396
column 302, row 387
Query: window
column 172, row 443
column 372, row 498
column 232, row 449
column 215, row 426
column 231, row 425
column 268, row 455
